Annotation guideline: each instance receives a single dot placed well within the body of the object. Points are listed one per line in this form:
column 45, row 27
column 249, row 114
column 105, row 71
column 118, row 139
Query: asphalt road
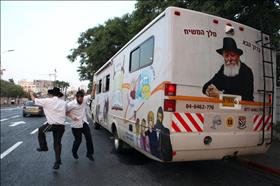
column 25, row 166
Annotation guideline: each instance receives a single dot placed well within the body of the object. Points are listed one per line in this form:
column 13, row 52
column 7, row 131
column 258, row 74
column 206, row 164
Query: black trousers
column 77, row 133
column 58, row 131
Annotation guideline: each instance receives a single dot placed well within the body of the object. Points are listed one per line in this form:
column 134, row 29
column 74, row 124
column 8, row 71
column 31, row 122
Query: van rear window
column 142, row 56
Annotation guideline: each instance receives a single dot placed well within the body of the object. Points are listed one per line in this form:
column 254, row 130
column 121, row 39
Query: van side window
column 106, row 86
column 107, row 83
column 99, row 86
column 142, row 56
column 135, row 59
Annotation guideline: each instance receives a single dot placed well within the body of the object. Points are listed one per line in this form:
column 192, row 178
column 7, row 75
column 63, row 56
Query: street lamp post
column 2, row 69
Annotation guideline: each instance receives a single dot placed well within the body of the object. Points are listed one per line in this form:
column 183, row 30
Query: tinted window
column 107, row 84
column 143, row 55
column 147, row 51
column 29, row 103
column 99, row 86
column 134, row 60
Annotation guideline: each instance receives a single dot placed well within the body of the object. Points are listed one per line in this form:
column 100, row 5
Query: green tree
column 97, row 45
column 9, row 89
column 62, row 85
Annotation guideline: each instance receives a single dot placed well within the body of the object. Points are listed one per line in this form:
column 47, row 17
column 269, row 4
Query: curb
column 260, row 166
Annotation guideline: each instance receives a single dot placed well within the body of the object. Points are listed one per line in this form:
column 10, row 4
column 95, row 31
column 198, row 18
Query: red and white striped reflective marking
column 187, row 122
column 258, row 122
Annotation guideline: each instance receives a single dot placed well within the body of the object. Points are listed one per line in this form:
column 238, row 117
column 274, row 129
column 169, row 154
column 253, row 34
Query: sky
column 42, row 33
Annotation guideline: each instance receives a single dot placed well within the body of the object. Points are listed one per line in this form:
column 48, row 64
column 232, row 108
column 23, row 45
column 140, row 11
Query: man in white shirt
column 76, row 110
column 55, row 111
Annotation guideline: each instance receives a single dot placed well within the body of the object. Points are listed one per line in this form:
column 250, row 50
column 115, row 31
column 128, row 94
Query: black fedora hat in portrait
column 229, row 44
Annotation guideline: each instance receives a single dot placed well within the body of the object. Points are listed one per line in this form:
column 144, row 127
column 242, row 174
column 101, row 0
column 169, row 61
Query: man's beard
column 231, row 70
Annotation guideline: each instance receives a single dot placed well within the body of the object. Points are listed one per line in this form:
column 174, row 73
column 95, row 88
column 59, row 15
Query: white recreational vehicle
column 168, row 94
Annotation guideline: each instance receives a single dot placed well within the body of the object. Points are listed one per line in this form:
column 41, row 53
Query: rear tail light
column 170, row 90
column 169, row 105
column 215, row 21
column 177, row 13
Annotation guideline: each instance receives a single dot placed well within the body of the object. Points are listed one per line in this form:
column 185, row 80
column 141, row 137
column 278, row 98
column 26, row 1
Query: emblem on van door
column 230, row 122
column 241, row 122
column 216, row 122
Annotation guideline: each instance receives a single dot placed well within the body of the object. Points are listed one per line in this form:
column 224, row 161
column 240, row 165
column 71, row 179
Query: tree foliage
column 61, row 84
column 9, row 89
column 98, row 44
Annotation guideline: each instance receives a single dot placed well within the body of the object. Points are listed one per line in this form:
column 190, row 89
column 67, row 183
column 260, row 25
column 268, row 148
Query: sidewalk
column 268, row 162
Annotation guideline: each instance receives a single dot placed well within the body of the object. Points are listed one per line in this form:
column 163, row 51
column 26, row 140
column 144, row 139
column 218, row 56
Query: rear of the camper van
column 203, row 127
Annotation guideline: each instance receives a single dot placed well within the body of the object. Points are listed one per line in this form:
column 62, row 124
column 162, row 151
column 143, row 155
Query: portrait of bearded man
column 234, row 76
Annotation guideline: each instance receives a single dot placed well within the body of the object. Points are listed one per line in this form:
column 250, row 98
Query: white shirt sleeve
column 40, row 102
column 69, row 106
column 87, row 98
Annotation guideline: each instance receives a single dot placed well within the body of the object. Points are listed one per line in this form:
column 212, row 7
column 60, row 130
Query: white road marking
column 2, row 109
column 5, row 119
column 17, row 123
column 16, row 116
column 34, row 131
column 10, row 149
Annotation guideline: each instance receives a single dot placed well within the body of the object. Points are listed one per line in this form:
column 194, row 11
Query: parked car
column 29, row 108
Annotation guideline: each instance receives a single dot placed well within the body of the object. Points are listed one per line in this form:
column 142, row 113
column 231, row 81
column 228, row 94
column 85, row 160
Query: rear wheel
column 118, row 143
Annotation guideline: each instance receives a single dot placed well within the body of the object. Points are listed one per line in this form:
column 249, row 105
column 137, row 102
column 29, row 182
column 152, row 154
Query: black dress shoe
column 75, row 155
column 90, row 157
column 56, row 165
column 41, row 149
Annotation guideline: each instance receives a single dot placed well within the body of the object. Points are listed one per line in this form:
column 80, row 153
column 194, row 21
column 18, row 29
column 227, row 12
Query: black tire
column 118, row 143
column 96, row 126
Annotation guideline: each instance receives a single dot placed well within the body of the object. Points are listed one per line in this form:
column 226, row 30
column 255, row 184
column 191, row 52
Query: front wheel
column 96, row 126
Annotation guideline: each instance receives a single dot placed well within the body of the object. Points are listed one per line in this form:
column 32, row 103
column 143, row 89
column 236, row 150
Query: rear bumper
column 189, row 147
column 213, row 154
column 34, row 113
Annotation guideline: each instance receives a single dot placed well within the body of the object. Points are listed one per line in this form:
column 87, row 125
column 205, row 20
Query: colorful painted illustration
column 137, row 132
column 117, row 103
column 165, row 146
column 105, row 110
column 152, row 135
column 140, row 90
column 144, row 142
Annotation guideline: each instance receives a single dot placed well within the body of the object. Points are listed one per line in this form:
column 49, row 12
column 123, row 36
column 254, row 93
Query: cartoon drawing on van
column 117, row 103
column 140, row 90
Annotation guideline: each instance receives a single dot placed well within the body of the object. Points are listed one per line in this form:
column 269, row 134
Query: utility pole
column 53, row 74
column 2, row 69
